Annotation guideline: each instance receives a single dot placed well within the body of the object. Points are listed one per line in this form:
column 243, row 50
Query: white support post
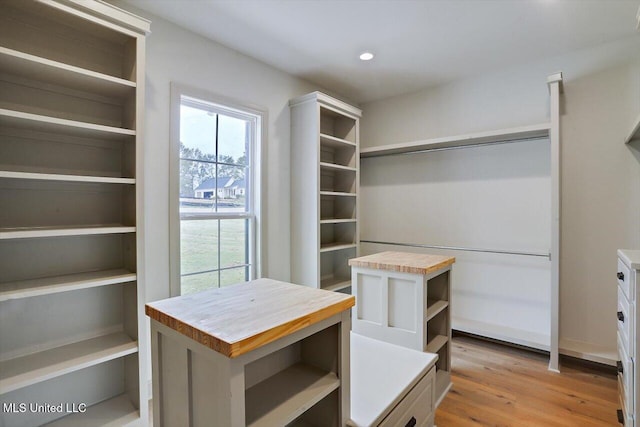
column 554, row 82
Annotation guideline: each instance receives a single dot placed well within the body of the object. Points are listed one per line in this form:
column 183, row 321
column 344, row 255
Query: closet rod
column 455, row 248
column 456, row 147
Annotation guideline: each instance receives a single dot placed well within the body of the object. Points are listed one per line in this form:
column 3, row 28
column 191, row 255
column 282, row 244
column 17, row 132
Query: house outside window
column 217, row 196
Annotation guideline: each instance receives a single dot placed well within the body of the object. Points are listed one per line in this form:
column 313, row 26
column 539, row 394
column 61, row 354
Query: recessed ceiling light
column 366, row 56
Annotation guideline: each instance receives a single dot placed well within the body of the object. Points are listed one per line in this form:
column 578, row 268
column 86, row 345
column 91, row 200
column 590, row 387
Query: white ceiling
column 417, row 43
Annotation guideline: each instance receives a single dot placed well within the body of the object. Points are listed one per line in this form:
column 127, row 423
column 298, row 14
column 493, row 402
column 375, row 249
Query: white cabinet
column 325, row 161
column 71, row 273
column 405, row 299
column 628, row 329
column 261, row 353
column 387, row 394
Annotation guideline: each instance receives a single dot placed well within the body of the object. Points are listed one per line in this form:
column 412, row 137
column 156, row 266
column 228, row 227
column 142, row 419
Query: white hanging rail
column 550, row 131
column 501, row 136
column 460, row 248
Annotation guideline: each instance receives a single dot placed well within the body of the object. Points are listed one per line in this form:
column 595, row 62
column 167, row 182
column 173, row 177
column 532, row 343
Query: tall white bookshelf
column 325, row 176
column 71, row 252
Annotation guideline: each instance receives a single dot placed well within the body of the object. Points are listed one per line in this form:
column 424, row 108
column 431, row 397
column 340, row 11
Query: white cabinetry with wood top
column 628, row 329
column 71, row 273
column 262, row 353
column 405, row 299
column 325, row 176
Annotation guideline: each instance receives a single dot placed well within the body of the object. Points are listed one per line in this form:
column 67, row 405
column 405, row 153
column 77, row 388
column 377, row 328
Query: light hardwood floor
column 496, row 385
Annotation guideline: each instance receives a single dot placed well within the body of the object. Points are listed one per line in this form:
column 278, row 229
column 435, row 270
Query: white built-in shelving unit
column 71, row 273
column 325, row 162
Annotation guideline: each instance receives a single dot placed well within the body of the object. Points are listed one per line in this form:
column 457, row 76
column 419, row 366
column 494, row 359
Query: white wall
column 174, row 54
column 601, row 176
column 178, row 55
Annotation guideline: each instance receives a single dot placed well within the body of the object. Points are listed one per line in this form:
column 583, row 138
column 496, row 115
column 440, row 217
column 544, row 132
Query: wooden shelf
column 435, row 307
column 337, row 193
column 56, row 284
column 502, row 135
column 335, row 283
column 338, row 246
column 35, row 232
column 37, row 68
column 68, row 178
column 34, row 368
column 634, row 134
column 334, row 166
column 118, row 411
column 436, row 343
column 20, row 119
column 332, row 141
column 285, row 396
column 337, row 221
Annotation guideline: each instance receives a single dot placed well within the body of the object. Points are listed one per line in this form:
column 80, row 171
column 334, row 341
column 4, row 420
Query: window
column 216, row 152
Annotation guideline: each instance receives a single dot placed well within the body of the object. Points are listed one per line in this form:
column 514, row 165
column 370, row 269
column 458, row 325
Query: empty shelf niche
column 338, row 153
column 437, row 332
column 65, row 332
column 30, row 205
column 337, row 180
column 335, row 273
column 334, row 236
column 283, row 385
column 337, row 207
column 116, row 400
column 32, row 267
column 437, row 295
column 29, row 151
column 337, row 125
column 46, row 32
column 44, row 101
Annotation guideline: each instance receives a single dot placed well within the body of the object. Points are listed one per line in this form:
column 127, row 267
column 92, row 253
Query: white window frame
column 254, row 181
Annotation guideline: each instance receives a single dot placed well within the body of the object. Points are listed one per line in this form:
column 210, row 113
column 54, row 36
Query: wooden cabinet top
column 237, row 319
column 404, row 262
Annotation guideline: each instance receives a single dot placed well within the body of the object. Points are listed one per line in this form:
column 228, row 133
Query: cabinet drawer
column 625, row 321
column 625, row 378
column 418, row 404
column 624, row 280
column 627, row 416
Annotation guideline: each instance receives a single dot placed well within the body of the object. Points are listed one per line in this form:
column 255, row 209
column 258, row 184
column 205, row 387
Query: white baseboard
column 501, row 333
column 588, row 351
column 568, row 347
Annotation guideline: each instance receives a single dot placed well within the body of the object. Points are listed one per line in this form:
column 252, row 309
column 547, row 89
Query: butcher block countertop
column 237, row 319
column 404, row 262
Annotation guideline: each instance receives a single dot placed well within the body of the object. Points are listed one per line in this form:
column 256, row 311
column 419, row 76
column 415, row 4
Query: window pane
column 198, row 245
column 198, row 282
column 233, row 276
column 197, row 133
column 232, row 140
column 232, row 189
column 233, row 242
column 196, row 177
